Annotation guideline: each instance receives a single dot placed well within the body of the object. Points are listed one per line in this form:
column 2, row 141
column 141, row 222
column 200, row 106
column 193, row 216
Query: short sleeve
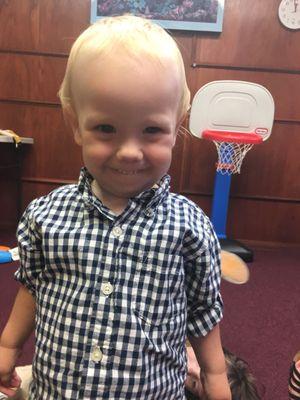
column 203, row 277
column 29, row 244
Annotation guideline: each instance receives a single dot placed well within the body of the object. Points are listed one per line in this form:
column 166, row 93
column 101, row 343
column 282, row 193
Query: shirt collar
column 153, row 196
column 150, row 198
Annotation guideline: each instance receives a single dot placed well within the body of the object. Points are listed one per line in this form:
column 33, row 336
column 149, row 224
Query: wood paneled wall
column 35, row 39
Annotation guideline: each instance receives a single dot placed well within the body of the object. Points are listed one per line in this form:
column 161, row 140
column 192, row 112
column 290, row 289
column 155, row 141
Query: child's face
column 126, row 122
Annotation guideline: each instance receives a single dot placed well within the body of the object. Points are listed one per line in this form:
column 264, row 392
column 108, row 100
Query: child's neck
column 116, row 204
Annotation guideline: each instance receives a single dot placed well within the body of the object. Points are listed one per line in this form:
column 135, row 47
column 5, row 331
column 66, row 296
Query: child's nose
column 130, row 151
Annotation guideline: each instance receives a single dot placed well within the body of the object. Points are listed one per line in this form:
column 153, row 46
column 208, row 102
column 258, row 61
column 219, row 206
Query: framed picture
column 192, row 15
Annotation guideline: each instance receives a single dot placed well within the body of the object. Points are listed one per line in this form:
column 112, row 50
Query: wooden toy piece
column 233, row 268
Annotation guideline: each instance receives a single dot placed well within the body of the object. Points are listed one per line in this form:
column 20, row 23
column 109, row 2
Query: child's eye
column 152, row 129
column 105, row 128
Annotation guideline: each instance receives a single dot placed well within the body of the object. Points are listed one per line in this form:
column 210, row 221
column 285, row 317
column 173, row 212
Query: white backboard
column 232, row 106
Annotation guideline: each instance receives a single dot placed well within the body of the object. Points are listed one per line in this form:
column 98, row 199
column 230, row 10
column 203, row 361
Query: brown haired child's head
column 241, row 381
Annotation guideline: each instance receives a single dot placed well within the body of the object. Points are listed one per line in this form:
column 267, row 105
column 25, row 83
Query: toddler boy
column 117, row 270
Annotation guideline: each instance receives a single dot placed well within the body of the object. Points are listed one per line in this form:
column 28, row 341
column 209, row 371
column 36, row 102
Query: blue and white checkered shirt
column 116, row 295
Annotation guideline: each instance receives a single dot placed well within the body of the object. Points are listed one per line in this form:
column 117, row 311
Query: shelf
column 24, row 140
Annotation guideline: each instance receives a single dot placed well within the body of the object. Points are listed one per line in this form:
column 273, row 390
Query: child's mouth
column 126, row 172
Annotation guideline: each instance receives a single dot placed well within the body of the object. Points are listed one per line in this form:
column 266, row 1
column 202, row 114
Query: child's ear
column 71, row 118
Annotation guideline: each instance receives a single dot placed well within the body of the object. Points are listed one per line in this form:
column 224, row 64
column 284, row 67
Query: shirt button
column 117, row 231
column 107, row 288
column 89, row 207
column 148, row 212
column 97, row 354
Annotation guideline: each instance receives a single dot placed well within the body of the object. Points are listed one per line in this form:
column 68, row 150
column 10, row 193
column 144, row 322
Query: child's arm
column 210, row 356
column 18, row 328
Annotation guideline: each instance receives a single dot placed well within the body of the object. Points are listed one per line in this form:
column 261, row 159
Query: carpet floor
column 262, row 318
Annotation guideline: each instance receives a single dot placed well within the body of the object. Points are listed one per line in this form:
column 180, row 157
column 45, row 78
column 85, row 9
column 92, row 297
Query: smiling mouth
column 126, row 172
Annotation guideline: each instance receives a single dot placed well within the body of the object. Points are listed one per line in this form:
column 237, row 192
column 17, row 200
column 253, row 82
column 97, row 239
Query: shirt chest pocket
column 157, row 286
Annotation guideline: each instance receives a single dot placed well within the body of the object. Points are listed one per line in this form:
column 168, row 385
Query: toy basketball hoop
column 235, row 116
column 231, row 148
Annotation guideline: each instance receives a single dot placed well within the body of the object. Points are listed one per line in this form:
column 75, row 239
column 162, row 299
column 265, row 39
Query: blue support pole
column 220, row 203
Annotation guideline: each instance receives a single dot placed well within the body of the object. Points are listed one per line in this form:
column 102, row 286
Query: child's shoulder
column 188, row 210
column 58, row 198
column 57, row 194
column 181, row 202
column 196, row 224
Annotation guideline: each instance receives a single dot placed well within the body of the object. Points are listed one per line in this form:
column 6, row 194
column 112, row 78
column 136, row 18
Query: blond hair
column 139, row 38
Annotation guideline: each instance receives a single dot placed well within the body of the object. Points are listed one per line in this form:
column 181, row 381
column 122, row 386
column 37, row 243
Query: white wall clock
column 289, row 13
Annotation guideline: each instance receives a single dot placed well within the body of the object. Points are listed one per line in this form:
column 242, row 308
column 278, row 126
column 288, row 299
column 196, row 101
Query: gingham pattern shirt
column 116, row 295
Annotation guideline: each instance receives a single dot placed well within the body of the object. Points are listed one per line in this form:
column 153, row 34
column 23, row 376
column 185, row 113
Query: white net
column 230, row 156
